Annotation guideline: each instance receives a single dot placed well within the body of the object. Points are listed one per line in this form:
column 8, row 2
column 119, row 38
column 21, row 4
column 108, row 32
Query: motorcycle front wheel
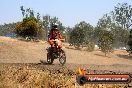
column 62, row 57
column 50, row 60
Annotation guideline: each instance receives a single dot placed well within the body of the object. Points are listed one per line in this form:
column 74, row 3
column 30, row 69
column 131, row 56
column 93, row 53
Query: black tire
column 81, row 80
column 50, row 60
column 62, row 57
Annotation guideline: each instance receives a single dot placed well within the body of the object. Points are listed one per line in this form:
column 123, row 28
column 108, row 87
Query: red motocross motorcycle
column 56, row 52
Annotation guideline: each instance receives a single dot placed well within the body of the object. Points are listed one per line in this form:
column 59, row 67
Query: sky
column 69, row 12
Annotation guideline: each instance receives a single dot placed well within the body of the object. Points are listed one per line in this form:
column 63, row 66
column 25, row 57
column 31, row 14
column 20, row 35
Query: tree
column 88, row 31
column 47, row 23
column 97, row 33
column 38, row 16
column 122, row 15
column 81, row 33
column 27, row 12
column 30, row 25
column 106, row 42
column 60, row 25
column 77, row 37
column 68, row 32
column 122, row 20
column 129, row 43
column 105, row 22
column 120, row 36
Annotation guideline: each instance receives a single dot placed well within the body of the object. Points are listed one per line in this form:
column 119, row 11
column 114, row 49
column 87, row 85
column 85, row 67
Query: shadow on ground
column 125, row 56
column 43, row 62
column 101, row 55
column 72, row 48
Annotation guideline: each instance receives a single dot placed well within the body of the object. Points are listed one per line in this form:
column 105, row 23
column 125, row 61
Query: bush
column 81, row 33
column 90, row 46
column 29, row 26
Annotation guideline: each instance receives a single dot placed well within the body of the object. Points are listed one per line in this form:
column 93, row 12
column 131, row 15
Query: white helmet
column 54, row 25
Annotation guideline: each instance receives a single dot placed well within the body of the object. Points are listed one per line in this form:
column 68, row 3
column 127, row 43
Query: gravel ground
column 53, row 76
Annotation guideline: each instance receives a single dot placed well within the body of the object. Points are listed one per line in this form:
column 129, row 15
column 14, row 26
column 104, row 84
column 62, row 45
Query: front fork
column 54, row 51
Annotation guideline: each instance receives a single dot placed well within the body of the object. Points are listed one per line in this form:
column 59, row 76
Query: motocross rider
column 54, row 34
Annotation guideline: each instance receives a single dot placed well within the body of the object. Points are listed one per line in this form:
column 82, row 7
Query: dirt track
column 16, row 51
column 20, row 66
